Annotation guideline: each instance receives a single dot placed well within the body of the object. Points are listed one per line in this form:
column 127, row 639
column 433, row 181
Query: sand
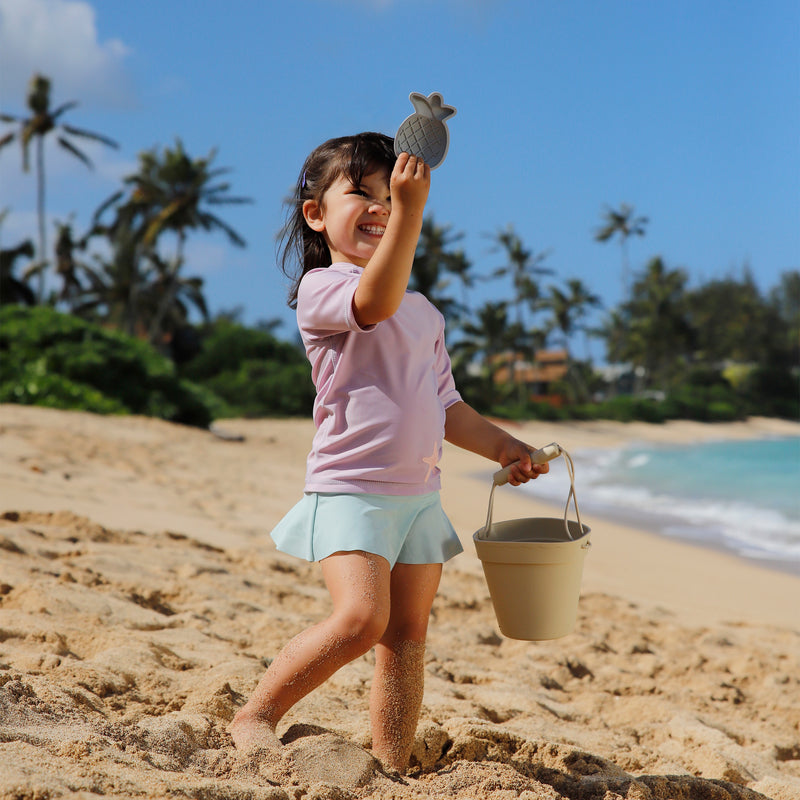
column 141, row 598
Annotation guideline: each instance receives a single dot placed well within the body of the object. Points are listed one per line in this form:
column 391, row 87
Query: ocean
column 738, row 496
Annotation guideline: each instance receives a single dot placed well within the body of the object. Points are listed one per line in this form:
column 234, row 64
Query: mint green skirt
column 405, row 530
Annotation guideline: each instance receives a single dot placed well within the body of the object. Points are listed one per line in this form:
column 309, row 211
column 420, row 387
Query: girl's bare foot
column 250, row 733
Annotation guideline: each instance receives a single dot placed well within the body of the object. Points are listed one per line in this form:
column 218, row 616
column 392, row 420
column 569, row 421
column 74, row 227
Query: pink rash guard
column 382, row 391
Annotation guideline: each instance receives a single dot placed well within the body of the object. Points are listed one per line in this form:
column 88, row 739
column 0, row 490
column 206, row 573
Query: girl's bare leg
column 359, row 584
column 396, row 695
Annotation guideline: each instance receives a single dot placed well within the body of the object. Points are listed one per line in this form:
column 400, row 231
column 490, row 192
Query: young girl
column 385, row 400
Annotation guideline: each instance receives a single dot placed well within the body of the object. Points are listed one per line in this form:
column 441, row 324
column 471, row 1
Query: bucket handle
column 537, row 457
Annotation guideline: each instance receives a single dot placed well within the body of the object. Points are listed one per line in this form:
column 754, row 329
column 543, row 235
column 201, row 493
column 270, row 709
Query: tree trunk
column 40, row 210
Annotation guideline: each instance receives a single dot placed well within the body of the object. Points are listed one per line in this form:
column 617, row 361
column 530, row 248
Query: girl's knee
column 411, row 633
column 406, row 625
column 364, row 626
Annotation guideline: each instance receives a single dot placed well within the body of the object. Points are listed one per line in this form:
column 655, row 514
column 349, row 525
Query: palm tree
column 118, row 284
column 522, row 265
column 12, row 289
column 570, row 308
column 624, row 224
column 652, row 329
column 433, row 259
column 34, row 128
column 134, row 289
column 489, row 340
column 168, row 296
column 785, row 299
column 68, row 266
column 170, row 193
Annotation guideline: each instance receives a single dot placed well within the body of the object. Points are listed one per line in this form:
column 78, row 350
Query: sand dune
column 141, row 598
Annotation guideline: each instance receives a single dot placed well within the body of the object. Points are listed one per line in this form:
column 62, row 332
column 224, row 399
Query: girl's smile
column 373, row 229
column 352, row 218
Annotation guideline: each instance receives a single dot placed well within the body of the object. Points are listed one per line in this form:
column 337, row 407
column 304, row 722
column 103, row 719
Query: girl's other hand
column 409, row 184
column 523, row 471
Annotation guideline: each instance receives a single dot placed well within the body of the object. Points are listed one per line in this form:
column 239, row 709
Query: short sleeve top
column 382, row 391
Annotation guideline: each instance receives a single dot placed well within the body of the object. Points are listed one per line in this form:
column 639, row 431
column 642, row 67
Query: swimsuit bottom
column 402, row 529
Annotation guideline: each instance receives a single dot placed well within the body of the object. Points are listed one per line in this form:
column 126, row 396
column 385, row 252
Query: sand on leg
column 397, row 688
column 358, row 583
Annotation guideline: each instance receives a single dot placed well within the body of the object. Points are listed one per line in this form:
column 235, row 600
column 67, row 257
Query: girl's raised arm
column 385, row 278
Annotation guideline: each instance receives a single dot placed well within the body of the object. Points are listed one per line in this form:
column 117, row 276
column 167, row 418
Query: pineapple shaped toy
column 425, row 132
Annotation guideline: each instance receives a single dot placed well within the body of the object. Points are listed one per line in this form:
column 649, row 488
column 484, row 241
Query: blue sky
column 689, row 110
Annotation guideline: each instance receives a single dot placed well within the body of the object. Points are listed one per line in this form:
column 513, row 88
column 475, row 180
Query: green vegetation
column 60, row 361
column 115, row 335
column 253, row 373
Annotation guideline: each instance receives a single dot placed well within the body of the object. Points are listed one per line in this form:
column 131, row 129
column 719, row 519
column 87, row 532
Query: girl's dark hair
column 300, row 248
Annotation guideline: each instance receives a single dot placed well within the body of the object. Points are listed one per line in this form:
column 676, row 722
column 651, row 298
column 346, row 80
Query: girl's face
column 352, row 218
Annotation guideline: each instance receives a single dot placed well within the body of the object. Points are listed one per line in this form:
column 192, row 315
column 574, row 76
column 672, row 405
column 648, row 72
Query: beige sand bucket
column 534, row 566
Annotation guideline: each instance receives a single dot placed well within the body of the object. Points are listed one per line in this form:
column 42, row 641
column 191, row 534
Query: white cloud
column 59, row 39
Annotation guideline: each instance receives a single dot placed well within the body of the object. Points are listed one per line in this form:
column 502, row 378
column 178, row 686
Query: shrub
column 710, row 403
column 225, row 345
column 264, row 388
column 33, row 385
column 772, row 391
column 51, row 359
column 253, row 373
column 627, row 408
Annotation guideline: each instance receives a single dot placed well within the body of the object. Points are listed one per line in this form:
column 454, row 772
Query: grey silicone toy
column 425, row 132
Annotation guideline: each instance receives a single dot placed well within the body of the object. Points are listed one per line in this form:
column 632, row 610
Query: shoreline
column 705, row 579
column 680, row 432
column 648, row 524
column 660, row 523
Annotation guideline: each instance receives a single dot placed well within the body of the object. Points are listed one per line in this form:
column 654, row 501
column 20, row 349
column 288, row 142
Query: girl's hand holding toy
column 409, row 184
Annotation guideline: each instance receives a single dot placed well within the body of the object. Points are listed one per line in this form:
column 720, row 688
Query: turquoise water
column 742, row 496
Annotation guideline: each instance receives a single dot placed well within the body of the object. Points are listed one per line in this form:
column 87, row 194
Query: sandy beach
column 141, row 599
